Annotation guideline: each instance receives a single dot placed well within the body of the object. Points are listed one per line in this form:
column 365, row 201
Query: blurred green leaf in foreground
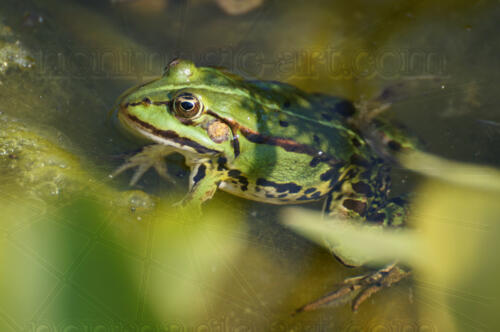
column 452, row 244
column 77, row 254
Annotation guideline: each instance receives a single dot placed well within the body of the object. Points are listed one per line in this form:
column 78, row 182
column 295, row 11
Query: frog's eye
column 187, row 105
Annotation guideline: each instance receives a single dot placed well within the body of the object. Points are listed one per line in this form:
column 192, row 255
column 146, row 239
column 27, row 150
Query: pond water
column 86, row 252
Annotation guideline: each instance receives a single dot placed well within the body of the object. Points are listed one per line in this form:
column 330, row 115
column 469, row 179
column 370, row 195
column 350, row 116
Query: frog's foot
column 150, row 156
column 358, row 289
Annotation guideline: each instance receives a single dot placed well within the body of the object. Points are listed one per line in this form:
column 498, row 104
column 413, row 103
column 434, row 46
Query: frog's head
column 177, row 110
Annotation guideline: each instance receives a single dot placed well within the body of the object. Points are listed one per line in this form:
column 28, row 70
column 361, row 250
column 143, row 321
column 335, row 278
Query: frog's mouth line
column 168, row 137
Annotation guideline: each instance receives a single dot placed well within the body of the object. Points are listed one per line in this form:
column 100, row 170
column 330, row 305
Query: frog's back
column 278, row 109
column 294, row 145
column 318, row 120
column 265, row 109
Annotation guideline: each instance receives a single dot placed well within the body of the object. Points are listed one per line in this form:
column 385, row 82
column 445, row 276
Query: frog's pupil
column 187, row 105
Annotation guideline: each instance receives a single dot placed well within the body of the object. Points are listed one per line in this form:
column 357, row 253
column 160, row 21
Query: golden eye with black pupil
column 187, row 105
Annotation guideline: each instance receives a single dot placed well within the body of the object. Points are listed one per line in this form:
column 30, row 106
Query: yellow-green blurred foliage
column 452, row 245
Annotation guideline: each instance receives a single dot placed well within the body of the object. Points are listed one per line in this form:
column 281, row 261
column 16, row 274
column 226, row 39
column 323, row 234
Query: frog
column 271, row 142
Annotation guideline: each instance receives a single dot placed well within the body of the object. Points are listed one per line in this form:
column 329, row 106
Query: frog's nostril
column 147, row 101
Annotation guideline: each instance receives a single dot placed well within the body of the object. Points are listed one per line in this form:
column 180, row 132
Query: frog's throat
column 166, row 137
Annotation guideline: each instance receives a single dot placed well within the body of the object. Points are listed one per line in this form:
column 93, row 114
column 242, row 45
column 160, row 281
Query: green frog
column 270, row 142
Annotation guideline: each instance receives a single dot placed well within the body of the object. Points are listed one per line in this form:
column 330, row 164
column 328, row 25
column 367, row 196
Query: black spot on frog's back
column 221, row 163
column 355, row 205
column 316, row 160
column 280, row 187
column 331, row 174
column 362, row 188
column 237, row 177
column 356, row 142
column 316, row 195
column 394, row 146
column 244, row 183
column 345, row 108
column 234, row 173
column 310, row 190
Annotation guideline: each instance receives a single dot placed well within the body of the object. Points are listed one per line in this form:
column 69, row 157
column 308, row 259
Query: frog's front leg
column 150, row 156
column 204, row 180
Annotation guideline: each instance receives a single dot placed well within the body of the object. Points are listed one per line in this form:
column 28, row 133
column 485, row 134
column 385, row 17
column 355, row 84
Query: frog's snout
column 125, row 124
column 122, row 114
